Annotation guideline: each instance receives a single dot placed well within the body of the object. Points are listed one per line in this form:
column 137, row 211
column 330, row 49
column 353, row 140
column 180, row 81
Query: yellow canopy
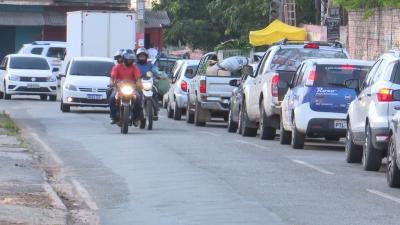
column 275, row 32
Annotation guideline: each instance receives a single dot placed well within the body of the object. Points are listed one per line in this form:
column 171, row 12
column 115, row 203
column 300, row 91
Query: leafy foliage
column 367, row 5
column 205, row 23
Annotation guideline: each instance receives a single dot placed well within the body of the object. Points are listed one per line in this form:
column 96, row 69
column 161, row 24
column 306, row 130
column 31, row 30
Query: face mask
column 142, row 61
column 128, row 63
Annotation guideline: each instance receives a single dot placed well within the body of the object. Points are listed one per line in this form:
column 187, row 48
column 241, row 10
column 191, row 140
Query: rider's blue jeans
column 114, row 110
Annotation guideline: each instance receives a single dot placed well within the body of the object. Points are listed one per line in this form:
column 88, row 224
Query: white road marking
column 384, row 195
column 254, row 145
column 319, row 169
column 210, row 133
column 84, row 194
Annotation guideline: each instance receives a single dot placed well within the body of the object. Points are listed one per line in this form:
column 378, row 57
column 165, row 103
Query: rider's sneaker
column 113, row 121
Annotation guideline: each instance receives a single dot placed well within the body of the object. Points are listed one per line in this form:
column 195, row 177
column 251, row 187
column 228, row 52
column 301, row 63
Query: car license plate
column 33, row 86
column 94, row 97
column 340, row 124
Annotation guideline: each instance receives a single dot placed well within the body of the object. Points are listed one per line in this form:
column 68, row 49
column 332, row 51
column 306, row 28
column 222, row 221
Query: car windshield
column 190, row 71
column 336, row 75
column 289, row 59
column 91, row 68
column 29, row 63
column 166, row 66
column 56, row 53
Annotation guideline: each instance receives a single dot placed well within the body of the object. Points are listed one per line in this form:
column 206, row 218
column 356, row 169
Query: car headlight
column 13, row 77
column 52, row 79
column 70, row 87
column 147, row 86
column 127, row 90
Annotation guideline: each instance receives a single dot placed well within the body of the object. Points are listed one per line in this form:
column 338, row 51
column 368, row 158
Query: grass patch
column 8, row 125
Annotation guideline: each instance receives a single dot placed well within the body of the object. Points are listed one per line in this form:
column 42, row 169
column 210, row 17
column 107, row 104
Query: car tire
column 197, row 114
column 1, row 95
column 266, row 132
column 372, row 158
column 232, row 125
column 392, row 171
column 353, row 152
column 298, row 138
column 189, row 113
column 164, row 103
column 332, row 138
column 6, row 96
column 65, row 108
column 285, row 136
column 53, row 98
column 177, row 112
column 170, row 113
column 245, row 130
column 43, row 97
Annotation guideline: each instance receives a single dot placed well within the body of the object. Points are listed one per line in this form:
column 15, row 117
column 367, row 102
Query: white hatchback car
column 86, row 82
column 27, row 75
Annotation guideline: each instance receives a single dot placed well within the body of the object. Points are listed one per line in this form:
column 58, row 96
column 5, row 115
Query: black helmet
column 118, row 54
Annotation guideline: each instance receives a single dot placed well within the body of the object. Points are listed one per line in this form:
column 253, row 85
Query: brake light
column 347, row 68
column 203, row 87
column 311, row 45
column 184, row 86
column 312, row 76
column 274, row 85
column 384, row 95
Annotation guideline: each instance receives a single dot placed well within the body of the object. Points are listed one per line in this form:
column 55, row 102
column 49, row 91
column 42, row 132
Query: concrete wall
column 369, row 38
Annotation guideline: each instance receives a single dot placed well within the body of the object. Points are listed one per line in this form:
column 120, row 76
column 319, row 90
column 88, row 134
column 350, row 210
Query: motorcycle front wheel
column 125, row 119
column 149, row 114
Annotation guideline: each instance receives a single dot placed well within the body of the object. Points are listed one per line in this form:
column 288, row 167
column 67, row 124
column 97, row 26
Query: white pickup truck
column 209, row 91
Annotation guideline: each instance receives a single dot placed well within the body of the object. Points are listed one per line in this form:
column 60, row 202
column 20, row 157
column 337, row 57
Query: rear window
column 91, row 68
column 29, row 63
column 165, row 66
column 56, row 53
column 336, row 75
column 190, row 71
column 290, row 59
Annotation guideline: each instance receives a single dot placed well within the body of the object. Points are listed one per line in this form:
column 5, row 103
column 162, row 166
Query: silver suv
column 370, row 113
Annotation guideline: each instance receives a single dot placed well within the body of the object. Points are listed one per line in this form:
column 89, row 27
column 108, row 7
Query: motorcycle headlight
column 147, row 86
column 52, row 79
column 13, row 77
column 127, row 90
column 70, row 87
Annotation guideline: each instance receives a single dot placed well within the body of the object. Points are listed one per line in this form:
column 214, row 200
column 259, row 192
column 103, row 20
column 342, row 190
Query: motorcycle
column 148, row 101
column 126, row 95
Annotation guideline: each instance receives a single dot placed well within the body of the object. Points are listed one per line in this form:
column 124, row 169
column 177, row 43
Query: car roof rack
column 285, row 41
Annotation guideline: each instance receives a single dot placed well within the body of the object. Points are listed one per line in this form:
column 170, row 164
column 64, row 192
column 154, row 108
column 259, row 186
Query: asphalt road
column 181, row 174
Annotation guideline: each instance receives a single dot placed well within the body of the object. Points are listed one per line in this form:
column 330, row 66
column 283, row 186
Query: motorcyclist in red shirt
column 127, row 71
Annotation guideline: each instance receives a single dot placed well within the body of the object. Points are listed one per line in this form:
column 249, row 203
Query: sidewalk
column 25, row 195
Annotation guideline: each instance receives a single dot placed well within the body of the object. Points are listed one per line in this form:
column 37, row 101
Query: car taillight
column 312, row 76
column 184, row 86
column 347, row 67
column 274, row 85
column 384, row 95
column 312, row 46
column 203, row 87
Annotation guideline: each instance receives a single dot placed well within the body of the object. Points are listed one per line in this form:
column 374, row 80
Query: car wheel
column 245, row 130
column 298, row 138
column 197, row 114
column 65, row 108
column 285, row 136
column 6, row 96
column 43, row 97
column 189, row 113
column 53, row 98
column 353, row 152
column 232, row 125
column 177, row 112
column 1, row 95
column 170, row 113
column 165, row 103
column 332, row 138
column 372, row 158
column 392, row 171
column 266, row 132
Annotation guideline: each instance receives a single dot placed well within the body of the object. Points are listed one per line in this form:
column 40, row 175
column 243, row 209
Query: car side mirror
column 234, row 83
column 56, row 70
column 396, row 95
column 353, row 84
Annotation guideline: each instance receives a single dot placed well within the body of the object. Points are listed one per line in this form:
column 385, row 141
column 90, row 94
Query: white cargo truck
column 99, row 33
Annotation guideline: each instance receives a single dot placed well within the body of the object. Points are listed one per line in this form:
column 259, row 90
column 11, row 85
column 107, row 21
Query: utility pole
column 140, row 10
